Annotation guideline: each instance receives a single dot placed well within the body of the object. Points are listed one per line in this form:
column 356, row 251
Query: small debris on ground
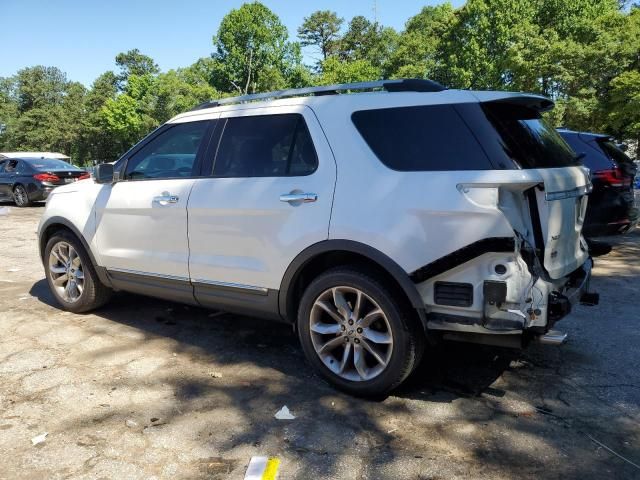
column 262, row 468
column 39, row 438
column 154, row 419
column 13, row 270
column 216, row 374
column 284, row 414
column 131, row 423
column 4, row 210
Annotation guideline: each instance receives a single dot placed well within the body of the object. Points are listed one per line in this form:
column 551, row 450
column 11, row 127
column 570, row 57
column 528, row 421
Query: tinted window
column 171, row 154
column 527, row 139
column 45, row 164
column 593, row 158
column 265, row 146
column 421, row 138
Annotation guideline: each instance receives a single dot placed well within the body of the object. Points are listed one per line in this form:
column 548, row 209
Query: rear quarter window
column 421, row 138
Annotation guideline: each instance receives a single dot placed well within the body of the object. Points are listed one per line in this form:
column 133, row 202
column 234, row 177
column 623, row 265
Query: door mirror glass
column 104, row 173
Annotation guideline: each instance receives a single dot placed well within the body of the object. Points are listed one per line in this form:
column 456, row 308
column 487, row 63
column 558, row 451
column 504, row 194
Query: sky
column 82, row 38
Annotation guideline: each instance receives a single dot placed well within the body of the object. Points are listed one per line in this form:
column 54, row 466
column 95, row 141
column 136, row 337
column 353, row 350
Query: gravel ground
column 150, row 389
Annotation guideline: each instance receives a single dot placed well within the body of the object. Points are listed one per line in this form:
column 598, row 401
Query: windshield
column 529, row 140
column 51, row 164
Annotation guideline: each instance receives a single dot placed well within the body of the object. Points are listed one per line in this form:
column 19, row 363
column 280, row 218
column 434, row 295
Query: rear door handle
column 298, row 198
column 166, row 198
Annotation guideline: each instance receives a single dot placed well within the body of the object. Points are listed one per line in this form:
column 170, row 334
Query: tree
column 366, row 40
column 98, row 142
column 39, row 87
column 128, row 117
column 418, row 50
column 322, row 30
column 336, row 71
column 253, row 52
column 624, row 107
column 133, row 62
column 8, row 109
column 178, row 91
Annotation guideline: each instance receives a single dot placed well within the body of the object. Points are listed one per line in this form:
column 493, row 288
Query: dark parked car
column 28, row 180
column 611, row 204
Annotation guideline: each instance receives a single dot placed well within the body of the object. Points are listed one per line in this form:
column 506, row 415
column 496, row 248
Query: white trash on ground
column 4, row 210
column 39, row 438
column 284, row 414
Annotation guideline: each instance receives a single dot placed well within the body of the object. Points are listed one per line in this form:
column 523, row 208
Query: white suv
column 372, row 217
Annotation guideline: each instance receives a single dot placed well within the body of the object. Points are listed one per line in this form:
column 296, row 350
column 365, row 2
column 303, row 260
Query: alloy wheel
column 351, row 333
column 66, row 272
column 20, row 195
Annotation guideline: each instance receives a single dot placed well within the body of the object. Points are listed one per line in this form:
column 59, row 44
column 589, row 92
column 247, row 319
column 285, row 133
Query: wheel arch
column 331, row 253
column 56, row 224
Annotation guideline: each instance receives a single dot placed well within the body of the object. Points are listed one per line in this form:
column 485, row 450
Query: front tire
column 20, row 196
column 71, row 276
column 356, row 334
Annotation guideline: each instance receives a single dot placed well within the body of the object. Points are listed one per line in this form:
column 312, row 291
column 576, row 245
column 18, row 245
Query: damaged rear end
column 506, row 290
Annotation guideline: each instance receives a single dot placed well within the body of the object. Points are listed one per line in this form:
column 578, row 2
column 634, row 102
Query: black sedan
column 28, row 180
column 611, row 204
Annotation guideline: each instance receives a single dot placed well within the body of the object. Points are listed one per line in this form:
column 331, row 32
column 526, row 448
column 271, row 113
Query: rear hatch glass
column 532, row 143
column 527, row 139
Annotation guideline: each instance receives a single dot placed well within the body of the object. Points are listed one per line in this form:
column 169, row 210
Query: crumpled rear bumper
column 575, row 291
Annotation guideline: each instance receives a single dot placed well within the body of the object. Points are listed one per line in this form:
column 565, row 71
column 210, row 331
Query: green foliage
column 336, row 71
column 624, row 105
column 584, row 54
column 418, row 52
column 322, row 30
column 368, row 41
column 135, row 63
column 253, row 52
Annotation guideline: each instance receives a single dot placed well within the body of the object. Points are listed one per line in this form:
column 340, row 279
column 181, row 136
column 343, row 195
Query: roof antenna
column 375, row 12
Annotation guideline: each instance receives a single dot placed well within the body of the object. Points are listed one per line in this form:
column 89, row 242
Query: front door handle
column 298, row 198
column 166, row 198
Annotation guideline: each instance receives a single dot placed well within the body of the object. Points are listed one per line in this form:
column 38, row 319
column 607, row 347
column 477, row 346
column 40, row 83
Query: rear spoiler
column 529, row 100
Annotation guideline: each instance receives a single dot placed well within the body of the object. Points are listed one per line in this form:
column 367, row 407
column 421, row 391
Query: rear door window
column 421, row 138
column 265, row 146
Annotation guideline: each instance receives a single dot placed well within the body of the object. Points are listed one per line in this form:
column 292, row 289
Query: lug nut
column 343, row 328
column 346, row 339
column 359, row 330
column 357, row 340
column 351, row 321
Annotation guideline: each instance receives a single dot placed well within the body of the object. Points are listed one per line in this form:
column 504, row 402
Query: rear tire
column 71, row 276
column 20, row 196
column 356, row 334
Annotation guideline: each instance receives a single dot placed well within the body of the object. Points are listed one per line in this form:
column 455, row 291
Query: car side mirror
column 104, row 173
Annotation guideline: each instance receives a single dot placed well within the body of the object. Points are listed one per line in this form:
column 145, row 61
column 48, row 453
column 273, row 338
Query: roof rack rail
column 402, row 85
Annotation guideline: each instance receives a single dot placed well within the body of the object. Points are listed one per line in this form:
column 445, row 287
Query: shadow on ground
column 265, row 369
